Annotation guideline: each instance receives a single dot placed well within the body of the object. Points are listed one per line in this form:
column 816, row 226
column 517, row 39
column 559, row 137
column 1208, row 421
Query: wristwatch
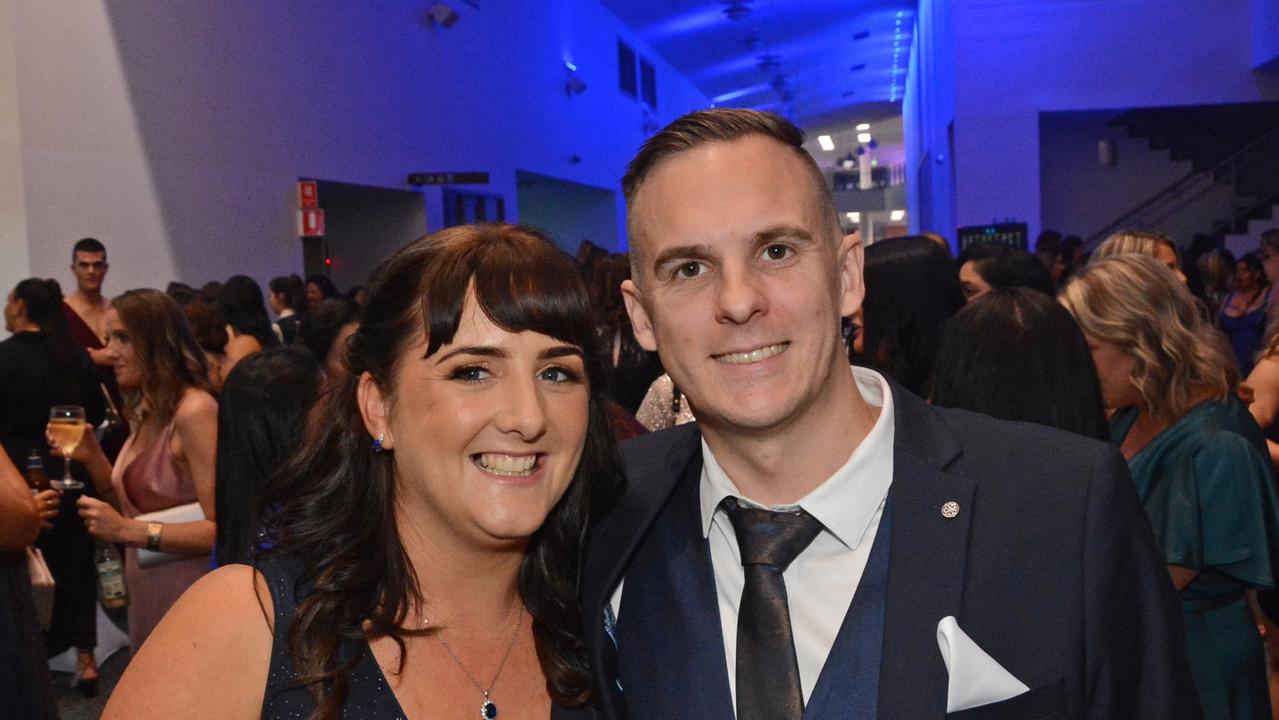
column 153, row 536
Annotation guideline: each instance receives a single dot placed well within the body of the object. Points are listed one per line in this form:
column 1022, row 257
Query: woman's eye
column 560, row 375
column 777, row 252
column 470, row 373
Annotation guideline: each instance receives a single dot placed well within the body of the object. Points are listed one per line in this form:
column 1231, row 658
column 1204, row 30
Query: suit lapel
column 929, row 553
column 653, row 465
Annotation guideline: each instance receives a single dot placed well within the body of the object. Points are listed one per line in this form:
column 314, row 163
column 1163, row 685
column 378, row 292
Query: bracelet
column 153, row 536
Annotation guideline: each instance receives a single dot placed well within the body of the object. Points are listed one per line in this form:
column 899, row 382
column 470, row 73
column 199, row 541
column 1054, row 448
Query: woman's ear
column 375, row 409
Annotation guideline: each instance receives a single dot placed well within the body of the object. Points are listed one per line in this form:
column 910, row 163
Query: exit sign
column 449, row 178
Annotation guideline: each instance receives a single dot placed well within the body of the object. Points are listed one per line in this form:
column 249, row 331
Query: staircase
column 1233, row 152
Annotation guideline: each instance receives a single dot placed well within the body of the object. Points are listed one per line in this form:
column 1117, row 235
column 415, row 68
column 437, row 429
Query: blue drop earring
column 377, row 442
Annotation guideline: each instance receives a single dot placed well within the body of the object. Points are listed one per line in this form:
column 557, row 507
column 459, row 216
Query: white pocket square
column 975, row 678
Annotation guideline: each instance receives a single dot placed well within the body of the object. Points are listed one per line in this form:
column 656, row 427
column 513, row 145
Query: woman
column 1015, row 353
column 210, row 332
column 1198, row 460
column 1214, row 269
column 287, row 296
column 24, row 674
column 262, row 413
column 41, row 366
column 1243, row 312
column 631, row 368
column 1143, row 242
column 166, row 463
column 912, row 289
column 428, row 533
column 247, row 324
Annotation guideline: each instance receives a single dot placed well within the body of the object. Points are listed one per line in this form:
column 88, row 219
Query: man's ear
column 375, row 410
column 641, row 323
column 852, row 287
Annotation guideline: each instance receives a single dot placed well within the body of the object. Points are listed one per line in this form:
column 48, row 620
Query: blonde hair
column 1132, row 301
column 1142, row 242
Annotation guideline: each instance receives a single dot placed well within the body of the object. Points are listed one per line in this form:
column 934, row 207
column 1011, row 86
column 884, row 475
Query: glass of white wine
column 66, row 425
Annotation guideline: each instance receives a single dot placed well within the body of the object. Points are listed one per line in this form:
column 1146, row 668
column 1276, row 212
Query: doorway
column 363, row 225
column 570, row 212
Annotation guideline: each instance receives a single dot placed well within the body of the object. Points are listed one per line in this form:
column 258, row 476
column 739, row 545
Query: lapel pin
column 950, row 509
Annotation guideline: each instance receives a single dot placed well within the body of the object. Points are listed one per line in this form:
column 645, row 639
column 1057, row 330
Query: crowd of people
column 412, row 497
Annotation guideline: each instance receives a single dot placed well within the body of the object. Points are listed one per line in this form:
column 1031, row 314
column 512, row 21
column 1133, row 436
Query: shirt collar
column 846, row 502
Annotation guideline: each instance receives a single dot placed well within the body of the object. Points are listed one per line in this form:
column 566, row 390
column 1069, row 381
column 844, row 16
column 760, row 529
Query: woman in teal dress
column 1199, row 462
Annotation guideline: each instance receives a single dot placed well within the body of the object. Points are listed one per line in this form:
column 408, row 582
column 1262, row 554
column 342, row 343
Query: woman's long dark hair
column 1017, row 354
column 245, row 311
column 336, row 497
column 912, row 289
column 293, row 290
column 43, row 301
column 262, row 413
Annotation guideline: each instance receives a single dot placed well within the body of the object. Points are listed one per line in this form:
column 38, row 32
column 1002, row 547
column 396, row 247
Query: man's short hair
column 724, row 125
column 89, row 245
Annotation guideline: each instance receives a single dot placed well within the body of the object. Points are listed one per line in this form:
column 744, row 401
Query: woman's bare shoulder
column 212, row 650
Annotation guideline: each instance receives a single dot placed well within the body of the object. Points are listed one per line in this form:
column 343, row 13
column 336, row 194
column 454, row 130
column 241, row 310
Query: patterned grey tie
column 767, row 672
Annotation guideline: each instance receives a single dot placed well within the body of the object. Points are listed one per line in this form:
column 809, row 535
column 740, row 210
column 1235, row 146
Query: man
column 88, row 308
column 923, row 561
column 986, row 266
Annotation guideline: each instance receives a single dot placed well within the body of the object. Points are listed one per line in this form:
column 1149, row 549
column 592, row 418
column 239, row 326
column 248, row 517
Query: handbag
column 177, row 514
column 42, row 585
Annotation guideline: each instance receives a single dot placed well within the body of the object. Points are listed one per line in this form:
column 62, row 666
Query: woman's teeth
column 507, row 465
column 753, row 355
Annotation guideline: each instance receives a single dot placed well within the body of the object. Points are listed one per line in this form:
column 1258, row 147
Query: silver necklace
column 488, row 710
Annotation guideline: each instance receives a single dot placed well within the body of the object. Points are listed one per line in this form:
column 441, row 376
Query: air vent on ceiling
column 862, row 35
column 858, row 66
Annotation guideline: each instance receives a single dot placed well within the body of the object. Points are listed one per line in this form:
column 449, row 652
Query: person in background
column 168, row 460
column 1268, row 252
column 631, row 368
column 41, row 366
column 1143, row 242
column 324, row 331
column 358, row 295
column 318, row 289
column 911, row 291
column 1215, row 268
column 181, row 293
column 86, row 312
column 941, row 241
column 428, row 538
column 24, row 673
column 209, row 329
column 247, row 324
column 985, row 266
column 1048, row 250
column 1014, row 353
column 1244, row 310
column 287, row 296
column 1198, row 459
column 262, row 415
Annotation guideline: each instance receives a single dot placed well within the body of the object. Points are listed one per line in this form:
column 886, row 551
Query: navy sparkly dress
column 369, row 697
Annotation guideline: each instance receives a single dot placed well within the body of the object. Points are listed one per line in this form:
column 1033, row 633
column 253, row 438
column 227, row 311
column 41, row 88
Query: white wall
column 14, row 259
column 1017, row 58
column 174, row 131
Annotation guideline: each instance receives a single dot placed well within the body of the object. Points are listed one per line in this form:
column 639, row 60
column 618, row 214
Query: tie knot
column 767, row 537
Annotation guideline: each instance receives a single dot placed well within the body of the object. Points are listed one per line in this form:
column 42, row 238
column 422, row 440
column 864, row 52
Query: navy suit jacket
column 1050, row 566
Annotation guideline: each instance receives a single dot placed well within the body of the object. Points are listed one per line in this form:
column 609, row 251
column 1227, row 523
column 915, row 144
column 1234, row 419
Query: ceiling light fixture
column 442, row 14
column 863, row 137
column 863, row 127
column 826, row 142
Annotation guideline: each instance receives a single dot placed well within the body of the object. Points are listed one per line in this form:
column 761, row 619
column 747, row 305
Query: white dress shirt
column 820, row 583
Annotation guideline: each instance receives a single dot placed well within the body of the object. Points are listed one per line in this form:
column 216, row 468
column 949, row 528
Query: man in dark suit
column 822, row 543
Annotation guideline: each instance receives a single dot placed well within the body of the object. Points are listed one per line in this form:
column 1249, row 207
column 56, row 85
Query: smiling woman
column 427, row 537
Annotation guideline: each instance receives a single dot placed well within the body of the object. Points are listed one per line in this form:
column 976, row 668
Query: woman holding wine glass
column 167, row 463
column 41, row 366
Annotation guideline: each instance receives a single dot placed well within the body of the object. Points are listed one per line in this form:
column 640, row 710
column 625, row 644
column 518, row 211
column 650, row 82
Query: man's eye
column 689, row 269
column 777, row 252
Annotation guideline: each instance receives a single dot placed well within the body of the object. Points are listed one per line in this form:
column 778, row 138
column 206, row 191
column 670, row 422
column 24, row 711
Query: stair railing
column 1223, row 172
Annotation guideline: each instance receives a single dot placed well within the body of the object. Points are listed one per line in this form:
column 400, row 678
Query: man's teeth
column 510, row 465
column 753, row 355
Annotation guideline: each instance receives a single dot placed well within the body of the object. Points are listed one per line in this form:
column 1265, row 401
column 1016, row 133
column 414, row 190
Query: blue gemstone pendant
column 488, row 711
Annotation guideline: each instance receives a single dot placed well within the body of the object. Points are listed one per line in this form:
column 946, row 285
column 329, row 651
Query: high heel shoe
column 87, row 686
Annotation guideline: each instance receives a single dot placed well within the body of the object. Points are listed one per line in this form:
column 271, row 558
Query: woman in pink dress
column 167, row 462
